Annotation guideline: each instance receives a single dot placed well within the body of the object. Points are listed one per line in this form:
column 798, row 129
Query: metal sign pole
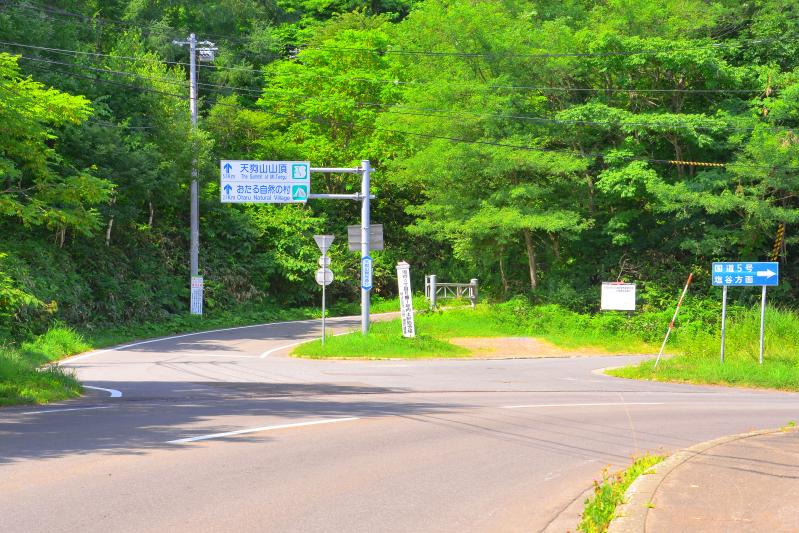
column 762, row 321
column 323, row 310
column 365, row 171
column 723, row 318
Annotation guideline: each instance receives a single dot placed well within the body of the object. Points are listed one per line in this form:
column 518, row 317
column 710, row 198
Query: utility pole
column 206, row 50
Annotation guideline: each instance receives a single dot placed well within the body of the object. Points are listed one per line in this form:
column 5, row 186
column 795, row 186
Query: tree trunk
column 502, row 276
column 108, row 232
column 152, row 214
column 528, row 241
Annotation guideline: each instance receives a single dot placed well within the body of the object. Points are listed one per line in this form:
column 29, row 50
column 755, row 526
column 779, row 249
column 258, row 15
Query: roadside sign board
column 375, row 237
column 324, row 261
column 264, row 182
column 366, row 273
column 617, row 296
column 746, row 274
column 196, row 295
column 406, row 299
column 324, row 276
column 324, row 242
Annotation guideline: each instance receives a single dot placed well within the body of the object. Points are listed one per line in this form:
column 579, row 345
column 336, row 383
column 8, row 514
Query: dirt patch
column 522, row 347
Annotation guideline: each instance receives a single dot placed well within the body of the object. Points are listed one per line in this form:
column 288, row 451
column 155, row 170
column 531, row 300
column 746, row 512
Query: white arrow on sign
column 766, row 273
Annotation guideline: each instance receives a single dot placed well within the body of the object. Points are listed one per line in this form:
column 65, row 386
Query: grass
column 698, row 359
column 600, row 509
column 21, row 379
column 434, row 329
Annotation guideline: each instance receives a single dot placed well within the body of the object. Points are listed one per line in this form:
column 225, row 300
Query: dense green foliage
column 527, row 143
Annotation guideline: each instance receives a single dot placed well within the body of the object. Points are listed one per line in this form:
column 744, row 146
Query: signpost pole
column 762, row 321
column 323, row 309
column 723, row 318
column 365, row 171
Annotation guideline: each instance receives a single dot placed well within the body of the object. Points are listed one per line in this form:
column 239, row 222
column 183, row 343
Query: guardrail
column 434, row 290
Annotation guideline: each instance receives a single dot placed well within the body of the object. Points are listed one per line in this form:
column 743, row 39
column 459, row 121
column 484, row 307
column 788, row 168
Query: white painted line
column 283, row 347
column 113, row 392
column 264, row 428
column 578, row 404
column 45, row 411
column 159, row 339
column 273, row 350
column 215, row 355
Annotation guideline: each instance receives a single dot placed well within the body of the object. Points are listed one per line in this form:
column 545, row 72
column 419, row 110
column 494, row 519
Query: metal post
column 323, row 303
column 762, row 321
column 365, row 222
column 433, row 290
column 723, row 318
column 195, row 202
column 473, row 283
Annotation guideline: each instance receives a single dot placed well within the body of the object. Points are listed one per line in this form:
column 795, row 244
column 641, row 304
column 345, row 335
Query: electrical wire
column 407, row 133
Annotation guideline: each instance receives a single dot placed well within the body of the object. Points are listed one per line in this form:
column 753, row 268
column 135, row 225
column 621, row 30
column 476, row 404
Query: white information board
column 264, row 182
column 196, row 295
column 406, row 299
column 617, row 296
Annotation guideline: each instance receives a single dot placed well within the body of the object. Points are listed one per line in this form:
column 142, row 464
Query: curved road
column 221, row 431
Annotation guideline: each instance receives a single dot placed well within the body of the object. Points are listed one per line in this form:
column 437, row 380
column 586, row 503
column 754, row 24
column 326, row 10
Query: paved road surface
column 296, row 445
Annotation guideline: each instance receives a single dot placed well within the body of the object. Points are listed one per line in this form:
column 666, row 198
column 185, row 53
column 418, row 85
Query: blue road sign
column 746, row 274
column 366, row 273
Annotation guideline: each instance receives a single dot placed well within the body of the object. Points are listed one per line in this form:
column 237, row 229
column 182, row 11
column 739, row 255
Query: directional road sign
column 366, row 273
column 265, row 182
column 324, row 276
column 746, row 274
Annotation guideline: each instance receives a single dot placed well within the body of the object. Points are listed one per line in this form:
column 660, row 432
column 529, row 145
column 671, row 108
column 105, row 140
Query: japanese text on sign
column 406, row 299
column 745, row 274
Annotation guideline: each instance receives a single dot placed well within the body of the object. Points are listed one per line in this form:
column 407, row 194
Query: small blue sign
column 746, row 274
column 366, row 273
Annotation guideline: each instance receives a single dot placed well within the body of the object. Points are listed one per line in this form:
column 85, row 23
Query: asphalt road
column 221, row 431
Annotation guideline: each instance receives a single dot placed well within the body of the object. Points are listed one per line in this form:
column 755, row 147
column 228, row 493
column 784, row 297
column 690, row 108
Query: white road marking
column 264, row 428
column 159, row 339
column 215, row 355
column 283, row 347
column 578, row 404
column 45, row 411
column 277, row 349
column 113, row 392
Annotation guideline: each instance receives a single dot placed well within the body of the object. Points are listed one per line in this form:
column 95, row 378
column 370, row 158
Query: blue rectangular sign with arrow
column 265, row 182
column 746, row 274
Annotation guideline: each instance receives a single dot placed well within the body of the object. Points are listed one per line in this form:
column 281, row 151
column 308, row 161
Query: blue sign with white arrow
column 746, row 274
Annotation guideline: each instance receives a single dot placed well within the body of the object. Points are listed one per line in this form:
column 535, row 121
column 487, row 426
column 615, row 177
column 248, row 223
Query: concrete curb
column 631, row 516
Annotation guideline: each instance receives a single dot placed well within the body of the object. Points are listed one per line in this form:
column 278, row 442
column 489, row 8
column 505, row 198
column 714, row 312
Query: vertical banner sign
column 405, row 298
column 366, row 273
column 196, row 295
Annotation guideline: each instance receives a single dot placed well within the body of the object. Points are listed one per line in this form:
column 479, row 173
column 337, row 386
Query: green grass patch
column 385, row 341
column 698, row 359
column 21, row 379
column 609, row 491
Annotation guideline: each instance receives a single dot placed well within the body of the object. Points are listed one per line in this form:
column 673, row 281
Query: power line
column 542, row 55
column 390, row 108
column 389, row 130
column 401, row 82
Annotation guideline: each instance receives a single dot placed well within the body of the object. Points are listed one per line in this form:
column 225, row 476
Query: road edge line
column 261, row 429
